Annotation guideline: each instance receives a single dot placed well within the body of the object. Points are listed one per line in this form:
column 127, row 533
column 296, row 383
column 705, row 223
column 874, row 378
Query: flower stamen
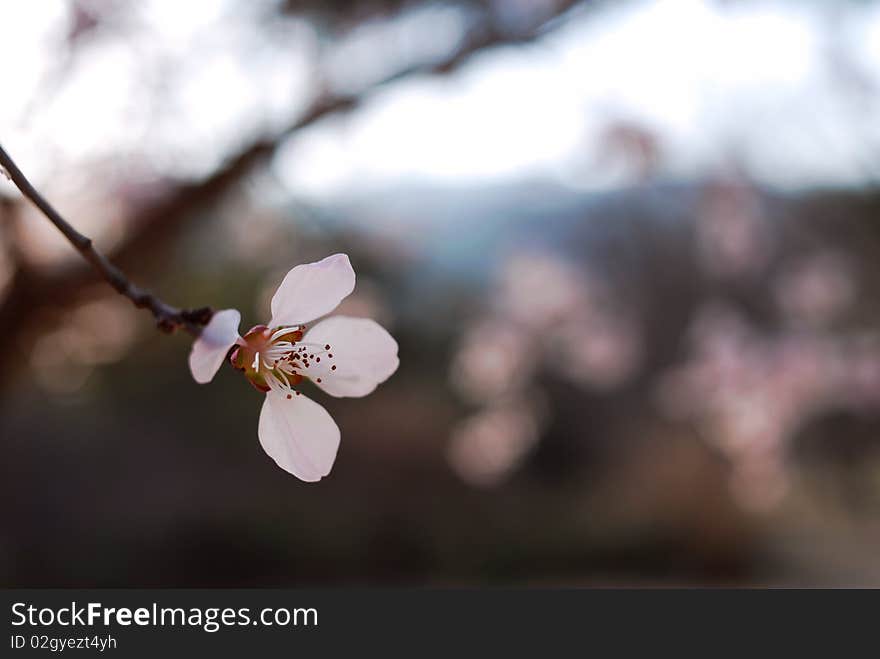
column 286, row 359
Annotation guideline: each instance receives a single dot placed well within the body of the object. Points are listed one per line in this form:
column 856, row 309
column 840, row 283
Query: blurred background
column 629, row 250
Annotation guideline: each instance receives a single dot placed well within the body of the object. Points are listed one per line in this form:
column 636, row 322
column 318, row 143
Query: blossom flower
column 344, row 356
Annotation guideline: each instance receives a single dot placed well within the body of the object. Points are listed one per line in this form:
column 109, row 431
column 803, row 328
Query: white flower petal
column 299, row 435
column 312, row 290
column 209, row 350
column 364, row 354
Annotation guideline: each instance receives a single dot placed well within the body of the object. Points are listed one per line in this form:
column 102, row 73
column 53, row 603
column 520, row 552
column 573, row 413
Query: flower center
column 278, row 359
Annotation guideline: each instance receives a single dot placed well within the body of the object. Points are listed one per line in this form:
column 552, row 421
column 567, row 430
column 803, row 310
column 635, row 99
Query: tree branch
column 168, row 318
column 169, row 211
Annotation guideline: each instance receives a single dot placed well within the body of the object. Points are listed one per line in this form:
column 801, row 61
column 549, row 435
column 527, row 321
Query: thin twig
column 168, row 318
